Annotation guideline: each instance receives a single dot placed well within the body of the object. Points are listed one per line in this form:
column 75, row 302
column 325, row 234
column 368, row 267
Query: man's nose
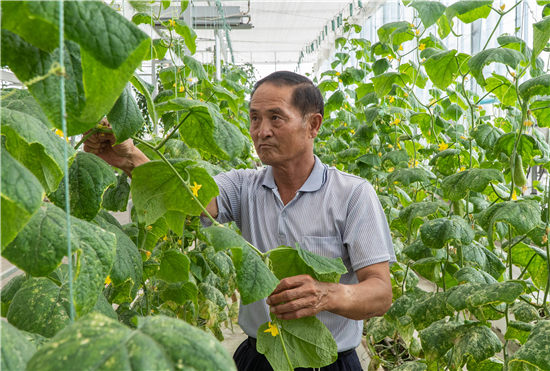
column 265, row 129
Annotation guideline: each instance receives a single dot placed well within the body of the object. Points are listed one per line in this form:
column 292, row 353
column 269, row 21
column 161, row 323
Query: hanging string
column 66, row 156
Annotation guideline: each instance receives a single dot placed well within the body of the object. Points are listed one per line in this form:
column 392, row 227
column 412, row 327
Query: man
column 298, row 199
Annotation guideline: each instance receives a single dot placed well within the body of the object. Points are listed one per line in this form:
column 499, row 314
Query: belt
column 252, row 342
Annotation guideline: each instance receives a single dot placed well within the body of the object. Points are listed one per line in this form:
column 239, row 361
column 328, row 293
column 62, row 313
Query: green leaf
column 158, row 343
column 444, row 154
column 156, row 189
column 456, row 186
column 535, row 260
column 143, row 18
column 536, row 86
column 518, row 331
column 415, row 74
column 525, row 312
column 396, row 156
column 409, row 176
column 380, row 66
column 487, row 135
column 222, row 238
column 127, row 271
column 196, row 67
column 443, row 68
column 254, row 279
column 289, row 262
column 22, row 195
column 21, row 100
column 143, row 88
column 386, row 32
column 188, row 34
column 42, row 243
column 205, row 128
column 42, row 307
column 522, row 216
column 102, row 306
column 508, row 57
column 420, row 210
column 496, row 293
column 527, row 147
column 502, row 88
column 35, row 146
column 89, row 177
column 180, row 292
column 429, row 11
column 491, row 364
column 473, row 275
column 125, row 117
column 116, row 198
column 438, row 232
column 411, row 366
column 9, row 290
column 370, row 159
column 541, row 35
column 104, row 64
column 469, row 10
column 479, row 343
column 383, row 84
column 438, row 338
column 485, row 259
column 417, row 250
column 534, row 355
column 16, row 349
column 431, row 269
column 432, row 309
column 307, row 340
column 379, row 328
column 541, row 110
column 174, row 266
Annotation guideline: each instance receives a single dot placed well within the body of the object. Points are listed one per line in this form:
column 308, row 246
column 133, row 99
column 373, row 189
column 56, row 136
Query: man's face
column 279, row 132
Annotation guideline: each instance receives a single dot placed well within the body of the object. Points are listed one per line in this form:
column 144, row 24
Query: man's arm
column 305, row 297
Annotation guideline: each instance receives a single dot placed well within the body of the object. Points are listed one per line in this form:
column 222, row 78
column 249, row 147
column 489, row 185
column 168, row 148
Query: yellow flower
column 432, row 101
column 380, row 154
column 392, row 99
column 423, row 60
column 390, row 146
column 149, row 227
column 171, row 23
column 339, row 80
column 147, row 254
column 273, row 329
column 513, row 74
column 514, row 195
column 352, row 131
column 345, row 124
column 189, row 79
column 462, row 168
column 399, row 145
column 60, row 133
column 195, row 189
column 390, row 170
column 480, row 107
column 337, row 73
column 417, row 32
column 395, row 182
column 181, row 89
column 406, row 95
column 443, row 146
column 165, row 238
column 421, row 47
column 108, row 280
column 544, row 239
column 412, row 25
column 528, row 123
column 401, row 47
column 503, row 6
column 390, row 58
column 463, row 137
column 524, row 188
column 395, row 122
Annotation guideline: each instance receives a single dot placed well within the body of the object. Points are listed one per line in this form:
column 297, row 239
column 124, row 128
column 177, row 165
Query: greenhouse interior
column 275, row 185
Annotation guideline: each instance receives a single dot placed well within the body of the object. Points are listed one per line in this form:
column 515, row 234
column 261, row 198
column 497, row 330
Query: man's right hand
column 125, row 156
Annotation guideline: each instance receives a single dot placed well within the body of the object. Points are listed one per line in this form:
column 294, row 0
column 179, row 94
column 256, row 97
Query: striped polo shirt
column 334, row 214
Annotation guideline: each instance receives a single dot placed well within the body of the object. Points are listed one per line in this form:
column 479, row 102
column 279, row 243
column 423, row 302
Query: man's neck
column 291, row 177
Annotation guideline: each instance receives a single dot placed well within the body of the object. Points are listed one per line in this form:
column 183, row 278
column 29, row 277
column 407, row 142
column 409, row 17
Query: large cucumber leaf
column 89, row 177
column 156, row 189
column 534, row 355
column 125, row 117
column 158, row 343
column 16, row 349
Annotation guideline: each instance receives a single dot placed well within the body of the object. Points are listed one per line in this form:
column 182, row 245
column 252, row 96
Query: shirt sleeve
column 229, row 200
column 367, row 235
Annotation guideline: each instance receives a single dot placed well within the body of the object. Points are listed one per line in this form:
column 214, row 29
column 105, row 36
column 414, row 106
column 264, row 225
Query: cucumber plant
column 168, row 277
column 451, row 178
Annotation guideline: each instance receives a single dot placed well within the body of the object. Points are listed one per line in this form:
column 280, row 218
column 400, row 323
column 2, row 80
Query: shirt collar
column 315, row 180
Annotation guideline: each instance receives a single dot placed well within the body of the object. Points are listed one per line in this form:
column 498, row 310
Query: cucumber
column 458, row 208
column 519, row 176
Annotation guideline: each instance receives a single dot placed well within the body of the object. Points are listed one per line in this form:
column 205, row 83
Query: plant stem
column 174, row 131
column 283, row 344
column 92, row 132
column 492, row 33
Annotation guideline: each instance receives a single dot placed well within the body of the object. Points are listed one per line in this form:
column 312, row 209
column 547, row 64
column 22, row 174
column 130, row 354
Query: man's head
column 286, row 112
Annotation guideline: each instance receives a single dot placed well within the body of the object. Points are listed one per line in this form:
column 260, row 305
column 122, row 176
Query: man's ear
column 314, row 124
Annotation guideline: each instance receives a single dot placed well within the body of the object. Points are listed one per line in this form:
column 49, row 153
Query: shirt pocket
column 330, row 247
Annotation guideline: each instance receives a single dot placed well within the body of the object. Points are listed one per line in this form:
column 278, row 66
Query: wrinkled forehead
column 269, row 97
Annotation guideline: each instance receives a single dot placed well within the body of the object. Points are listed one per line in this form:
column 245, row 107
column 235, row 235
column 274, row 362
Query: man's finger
column 291, row 282
column 293, row 306
column 304, row 312
column 287, row 295
column 92, row 145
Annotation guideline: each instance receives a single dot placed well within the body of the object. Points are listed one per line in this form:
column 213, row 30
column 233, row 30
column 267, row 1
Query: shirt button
column 283, row 213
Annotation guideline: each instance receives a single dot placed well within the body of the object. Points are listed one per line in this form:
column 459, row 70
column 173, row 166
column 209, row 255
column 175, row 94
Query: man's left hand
column 300, row 296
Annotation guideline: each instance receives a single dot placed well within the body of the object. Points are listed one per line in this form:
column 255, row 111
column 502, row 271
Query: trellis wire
column 66, row 156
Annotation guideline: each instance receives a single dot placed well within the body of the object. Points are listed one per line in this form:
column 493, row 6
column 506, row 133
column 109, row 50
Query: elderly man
column 296, row 198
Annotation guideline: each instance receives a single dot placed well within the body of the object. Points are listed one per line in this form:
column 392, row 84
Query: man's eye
column 275, row 118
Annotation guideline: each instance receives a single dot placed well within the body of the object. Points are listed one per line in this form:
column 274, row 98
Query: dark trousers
column 247, row 358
